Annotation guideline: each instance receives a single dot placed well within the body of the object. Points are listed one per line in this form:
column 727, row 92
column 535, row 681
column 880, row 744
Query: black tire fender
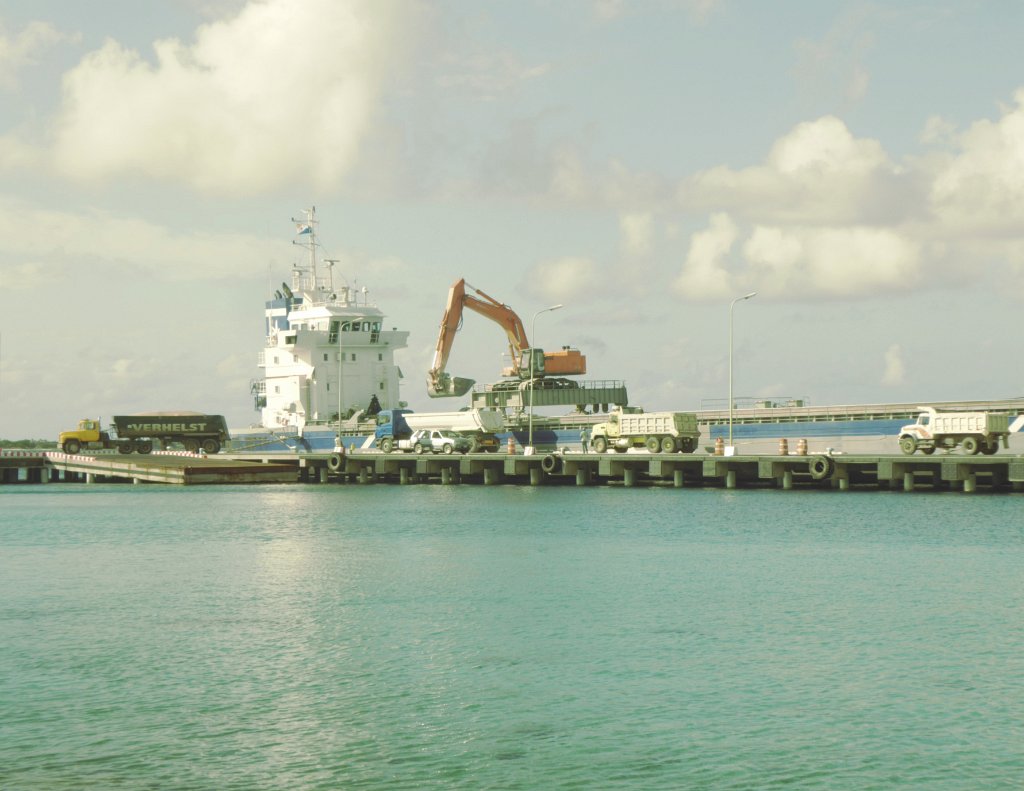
column 551, row 463
column 820, row 467
column 334, row 462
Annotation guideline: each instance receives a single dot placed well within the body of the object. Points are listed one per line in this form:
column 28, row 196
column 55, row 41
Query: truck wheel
column 72, row 446
column 908, row 445
column 419, row 447
column 990, row 448
column 928, row 451
column 448, row 449
column 668, row 445
column 211, row 446
column 125, row 447
column 387, row 444
column 191, row 445
column 970, row 445
column 145, row 446
column 653, row 444
column 600, row 445
column 689, row 445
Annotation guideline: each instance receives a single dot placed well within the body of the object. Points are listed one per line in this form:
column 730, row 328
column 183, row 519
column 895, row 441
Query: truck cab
column 87, row 434
column 391, row 428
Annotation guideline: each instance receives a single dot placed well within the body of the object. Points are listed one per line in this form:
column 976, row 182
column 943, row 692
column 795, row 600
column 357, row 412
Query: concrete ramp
column 368, row 442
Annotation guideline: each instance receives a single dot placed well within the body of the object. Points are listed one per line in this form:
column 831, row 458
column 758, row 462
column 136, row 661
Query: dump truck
column 194, row 431
column 972, row 431
column 664, row 432
column 480, row 426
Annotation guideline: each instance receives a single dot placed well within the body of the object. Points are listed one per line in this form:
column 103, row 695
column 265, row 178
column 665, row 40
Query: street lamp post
column 731, row 306
column 533, row 334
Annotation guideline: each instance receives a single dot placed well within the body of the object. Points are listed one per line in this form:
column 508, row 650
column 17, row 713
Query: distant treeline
column 28, row 444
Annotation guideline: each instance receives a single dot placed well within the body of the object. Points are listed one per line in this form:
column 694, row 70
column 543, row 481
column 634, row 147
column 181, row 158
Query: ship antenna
column 330, row 273
column 307, row 227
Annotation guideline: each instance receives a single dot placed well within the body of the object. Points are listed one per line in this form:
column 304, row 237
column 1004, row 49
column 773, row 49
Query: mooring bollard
column 783, row 447
column 719, row 447
column 511, row 445
column 801, row 448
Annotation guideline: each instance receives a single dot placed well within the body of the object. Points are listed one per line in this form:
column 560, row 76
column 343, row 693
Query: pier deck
column 1003, row 472
column 183, row 469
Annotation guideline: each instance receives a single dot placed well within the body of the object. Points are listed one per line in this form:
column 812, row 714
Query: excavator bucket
column 449, row 386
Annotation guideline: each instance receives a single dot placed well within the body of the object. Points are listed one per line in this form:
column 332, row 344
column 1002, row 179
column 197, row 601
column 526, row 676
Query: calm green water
column 509, row 638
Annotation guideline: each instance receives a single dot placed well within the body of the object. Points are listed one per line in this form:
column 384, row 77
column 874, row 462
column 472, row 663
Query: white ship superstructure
column 327, row 351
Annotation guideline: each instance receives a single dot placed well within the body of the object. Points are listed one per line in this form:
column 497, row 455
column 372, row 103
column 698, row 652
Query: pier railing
column 909, row 410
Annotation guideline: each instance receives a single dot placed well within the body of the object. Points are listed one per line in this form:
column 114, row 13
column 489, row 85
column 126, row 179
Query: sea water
column 429, row 637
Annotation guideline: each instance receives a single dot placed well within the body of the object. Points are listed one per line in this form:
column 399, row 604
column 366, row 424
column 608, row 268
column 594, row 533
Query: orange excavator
column 525, row 360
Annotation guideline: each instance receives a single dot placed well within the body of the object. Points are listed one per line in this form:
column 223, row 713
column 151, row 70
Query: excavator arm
column 441, row 384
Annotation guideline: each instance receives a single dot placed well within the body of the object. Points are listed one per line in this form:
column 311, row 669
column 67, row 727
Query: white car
column 435, row 441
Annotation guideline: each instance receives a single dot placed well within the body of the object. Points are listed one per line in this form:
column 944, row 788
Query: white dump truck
column 665, row 432
column 972, row 431
column 479, row 426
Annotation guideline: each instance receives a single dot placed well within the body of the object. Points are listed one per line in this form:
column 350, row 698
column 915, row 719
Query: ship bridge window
column 333, row 336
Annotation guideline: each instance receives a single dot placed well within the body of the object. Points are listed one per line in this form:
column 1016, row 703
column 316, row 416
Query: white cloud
column 60, row 241
column 280, row 91
column 24, row 49
column 489, row 75
column 836, row 262
column 796, row 262
column 637, row 230
column 24, row 276
column 563, row 280
column 705, row 275
column 981, row 188
column 937, row 130
column 819, row 172
column 895, row 370
column 699, row 10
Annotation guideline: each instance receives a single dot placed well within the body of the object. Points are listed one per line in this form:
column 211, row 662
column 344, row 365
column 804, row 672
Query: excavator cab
column 531, row 368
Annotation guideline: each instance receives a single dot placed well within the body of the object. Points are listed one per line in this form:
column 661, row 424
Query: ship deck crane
column 441, row 384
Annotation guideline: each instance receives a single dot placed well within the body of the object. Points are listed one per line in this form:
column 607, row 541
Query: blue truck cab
column 391, row 425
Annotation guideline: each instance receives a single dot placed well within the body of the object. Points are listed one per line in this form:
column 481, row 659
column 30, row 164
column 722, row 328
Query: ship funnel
column 287, row 291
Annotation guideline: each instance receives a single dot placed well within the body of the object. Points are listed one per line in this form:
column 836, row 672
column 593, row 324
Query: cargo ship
column 328, row 368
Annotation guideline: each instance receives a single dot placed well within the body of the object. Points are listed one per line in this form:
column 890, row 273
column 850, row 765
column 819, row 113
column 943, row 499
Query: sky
column 859, row 165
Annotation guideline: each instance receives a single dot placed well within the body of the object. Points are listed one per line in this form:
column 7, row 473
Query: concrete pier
column 1002, row 472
